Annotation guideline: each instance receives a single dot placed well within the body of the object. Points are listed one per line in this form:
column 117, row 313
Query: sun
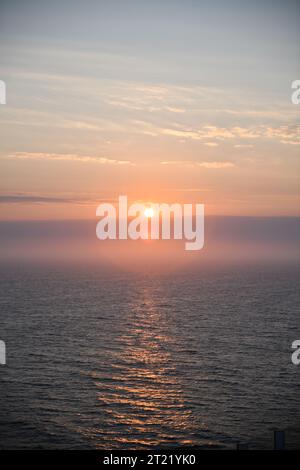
column 149, row 212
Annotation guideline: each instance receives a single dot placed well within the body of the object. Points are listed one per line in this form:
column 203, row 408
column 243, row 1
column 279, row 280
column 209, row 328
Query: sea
column 101, row 359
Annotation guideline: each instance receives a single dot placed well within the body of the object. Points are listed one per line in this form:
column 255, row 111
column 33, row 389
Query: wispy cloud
column 290, row 142
column 284, row 134
column 192, row 190
column 211, row 144
column 68, row 157
column 216, row 165
column 191, row 163
column 32, row 199
column 243, row 146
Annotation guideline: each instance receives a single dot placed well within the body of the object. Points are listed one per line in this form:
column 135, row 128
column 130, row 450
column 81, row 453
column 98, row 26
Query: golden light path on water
column 143, row 401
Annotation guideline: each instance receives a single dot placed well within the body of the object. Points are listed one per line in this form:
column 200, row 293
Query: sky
column 163, row 101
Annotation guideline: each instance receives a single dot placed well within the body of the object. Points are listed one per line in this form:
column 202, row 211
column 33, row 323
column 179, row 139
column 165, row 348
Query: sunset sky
column 163, row 101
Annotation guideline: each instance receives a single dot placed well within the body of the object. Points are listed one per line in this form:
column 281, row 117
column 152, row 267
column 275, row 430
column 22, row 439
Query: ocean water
column 116, row 360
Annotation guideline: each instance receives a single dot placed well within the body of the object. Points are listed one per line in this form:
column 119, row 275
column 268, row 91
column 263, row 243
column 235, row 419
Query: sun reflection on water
column 142, row 399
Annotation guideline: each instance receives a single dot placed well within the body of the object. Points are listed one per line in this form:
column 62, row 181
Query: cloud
column 216, row 165
column 191, row 163
column 67, row 157
column 288, row 133
column 25, row 198
column 290, row 142
column 192, row 190
column 124, row 101
column 29, row 198
column 212, row 132
column 211, row 144
column 172, row 109
column 243, row 146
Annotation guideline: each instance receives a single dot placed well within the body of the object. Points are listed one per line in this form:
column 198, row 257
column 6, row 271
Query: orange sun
column 149, row 212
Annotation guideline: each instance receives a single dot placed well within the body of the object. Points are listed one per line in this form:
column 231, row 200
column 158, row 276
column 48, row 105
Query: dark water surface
column 100, row 360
